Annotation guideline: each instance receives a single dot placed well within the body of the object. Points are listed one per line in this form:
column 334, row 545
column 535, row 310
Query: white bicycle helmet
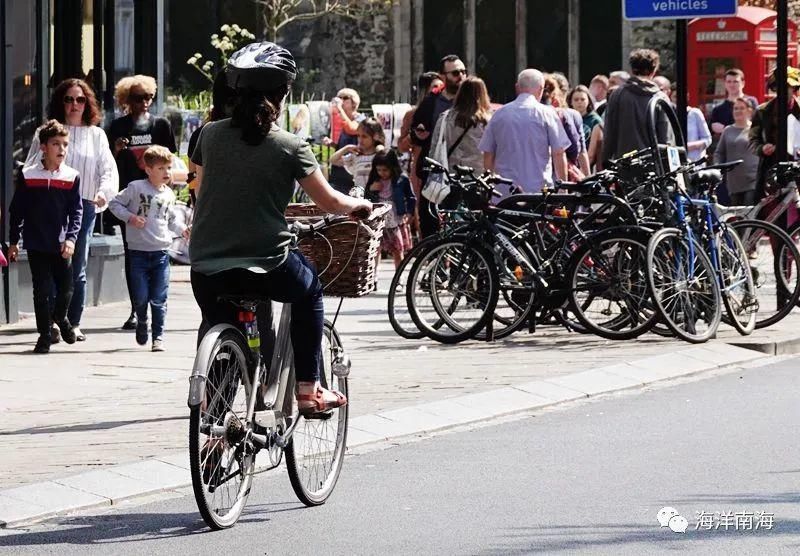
column 262, row 66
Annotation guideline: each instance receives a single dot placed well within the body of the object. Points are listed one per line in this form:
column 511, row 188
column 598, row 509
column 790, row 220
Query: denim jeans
column 79, row 260
column 150, row 285
column 49, row 270
column 292, row 282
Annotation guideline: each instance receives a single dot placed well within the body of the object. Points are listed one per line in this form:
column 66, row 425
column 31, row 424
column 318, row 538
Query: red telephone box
column 747, row 41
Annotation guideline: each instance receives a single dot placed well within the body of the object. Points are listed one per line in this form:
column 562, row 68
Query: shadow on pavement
column 570, row 538
column 116, row 527
column 91, row 426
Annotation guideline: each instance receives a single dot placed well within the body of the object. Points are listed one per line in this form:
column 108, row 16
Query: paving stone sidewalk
column 109, row 401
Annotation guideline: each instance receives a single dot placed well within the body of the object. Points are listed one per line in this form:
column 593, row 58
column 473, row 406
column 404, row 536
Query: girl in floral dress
column 387, row 184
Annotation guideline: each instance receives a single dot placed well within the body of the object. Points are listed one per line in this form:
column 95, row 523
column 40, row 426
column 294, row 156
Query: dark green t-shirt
column 239, row 217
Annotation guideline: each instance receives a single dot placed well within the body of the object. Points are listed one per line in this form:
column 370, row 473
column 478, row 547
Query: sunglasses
column 456, row 73
column 147, row 97
column 74, row 100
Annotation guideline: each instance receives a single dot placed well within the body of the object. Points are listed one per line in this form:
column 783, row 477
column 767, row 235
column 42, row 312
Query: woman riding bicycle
column 246, row 170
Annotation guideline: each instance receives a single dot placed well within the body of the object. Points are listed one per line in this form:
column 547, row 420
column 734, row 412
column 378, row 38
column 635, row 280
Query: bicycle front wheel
column 738, row 290
column 683, row 286
column 315, row 453
column 221, row 459
column 608, row 286
column 456, row 283
column 399, row 316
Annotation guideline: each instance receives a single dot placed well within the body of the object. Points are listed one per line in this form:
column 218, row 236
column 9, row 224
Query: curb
column 36, row 502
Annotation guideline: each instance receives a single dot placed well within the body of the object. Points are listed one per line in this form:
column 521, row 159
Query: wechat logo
column 669, row 517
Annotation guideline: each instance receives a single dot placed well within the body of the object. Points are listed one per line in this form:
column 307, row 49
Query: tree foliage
column 276, row 14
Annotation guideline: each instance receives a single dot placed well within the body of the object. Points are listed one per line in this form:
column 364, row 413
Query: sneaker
column 130, row 324
column 42, row 345
column 67, row 332
column 158, row 345
column 141, row 333
column 79, row 335
column 55, row 334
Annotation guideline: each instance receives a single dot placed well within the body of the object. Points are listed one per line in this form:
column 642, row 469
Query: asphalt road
column 586, row 478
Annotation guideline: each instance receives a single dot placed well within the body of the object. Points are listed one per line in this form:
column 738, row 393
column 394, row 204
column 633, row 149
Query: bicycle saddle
column 705, row 179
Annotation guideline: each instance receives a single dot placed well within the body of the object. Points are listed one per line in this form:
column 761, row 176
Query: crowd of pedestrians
column 74, row 171
column 551, row 131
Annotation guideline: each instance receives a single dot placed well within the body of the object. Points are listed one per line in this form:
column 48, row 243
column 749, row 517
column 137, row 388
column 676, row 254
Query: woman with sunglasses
column 131, row 135
column 74, row 104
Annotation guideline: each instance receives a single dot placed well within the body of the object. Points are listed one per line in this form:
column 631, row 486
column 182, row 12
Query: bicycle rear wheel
column 775, row 264
column 315, row 453
column 221, row 459
column 683, row 286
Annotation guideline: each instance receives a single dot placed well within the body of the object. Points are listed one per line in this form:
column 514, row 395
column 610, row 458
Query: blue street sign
column 677, row 9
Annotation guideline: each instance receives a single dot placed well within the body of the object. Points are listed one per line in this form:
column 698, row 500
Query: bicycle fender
column 197, row 382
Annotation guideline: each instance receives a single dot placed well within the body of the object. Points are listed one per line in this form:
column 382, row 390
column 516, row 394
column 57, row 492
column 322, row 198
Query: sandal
column 308, row 404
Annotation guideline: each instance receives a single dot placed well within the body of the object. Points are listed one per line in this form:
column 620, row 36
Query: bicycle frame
column 787, row 196
column 277, row 389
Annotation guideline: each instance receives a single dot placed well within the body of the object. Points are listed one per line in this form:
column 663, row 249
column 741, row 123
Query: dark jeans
column 428, row 223
column 745, row 198
column 46, row 269
column 79, row 260
column 295, row 282
column 150, row 284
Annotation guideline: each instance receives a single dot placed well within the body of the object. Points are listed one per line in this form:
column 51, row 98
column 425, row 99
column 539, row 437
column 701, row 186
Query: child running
column 357, row 159
column 148, row 209
column 389, row 185
column 46, row 210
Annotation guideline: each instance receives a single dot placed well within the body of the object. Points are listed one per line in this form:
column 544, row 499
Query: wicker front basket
column 344, row 253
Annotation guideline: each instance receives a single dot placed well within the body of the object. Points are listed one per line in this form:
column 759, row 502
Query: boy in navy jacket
column 46, row 210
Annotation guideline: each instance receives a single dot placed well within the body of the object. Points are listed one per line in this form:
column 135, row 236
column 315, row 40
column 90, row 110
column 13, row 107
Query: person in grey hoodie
column 148, row 209
column 626, row 120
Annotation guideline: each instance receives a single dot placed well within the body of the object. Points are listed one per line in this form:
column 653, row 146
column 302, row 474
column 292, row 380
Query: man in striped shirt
column 46, row 211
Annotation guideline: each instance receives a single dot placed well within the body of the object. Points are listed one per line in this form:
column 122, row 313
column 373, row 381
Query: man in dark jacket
column 452, row 72
column 764, row 131
column 626, row 118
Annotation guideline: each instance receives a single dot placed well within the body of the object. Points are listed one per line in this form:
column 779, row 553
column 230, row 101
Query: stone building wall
column 346, row 53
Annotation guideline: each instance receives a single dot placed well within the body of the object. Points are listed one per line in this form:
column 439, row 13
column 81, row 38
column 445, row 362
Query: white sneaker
column 79, row 336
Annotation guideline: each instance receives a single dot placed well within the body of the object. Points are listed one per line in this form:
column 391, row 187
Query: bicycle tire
column 310, row 434
column 421, row 280
column 205, row 460
column 788, row 253
column 397, row 307
column 732, row 257
column 661, row 257
column 611, row 285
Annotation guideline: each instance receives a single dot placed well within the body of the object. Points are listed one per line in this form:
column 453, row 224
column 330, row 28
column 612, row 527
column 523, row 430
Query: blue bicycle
column 696, row 266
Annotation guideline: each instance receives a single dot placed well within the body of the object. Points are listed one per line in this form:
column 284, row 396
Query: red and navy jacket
column 46, row 208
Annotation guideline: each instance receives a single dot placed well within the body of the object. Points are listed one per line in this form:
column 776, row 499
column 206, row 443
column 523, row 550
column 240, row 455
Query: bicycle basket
column 344, row 253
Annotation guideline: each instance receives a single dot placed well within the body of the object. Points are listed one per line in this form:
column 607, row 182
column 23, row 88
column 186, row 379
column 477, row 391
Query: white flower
column 198, row 55
column 225, row 28
column 236, row 28
column 191, row 61
column 214, row 36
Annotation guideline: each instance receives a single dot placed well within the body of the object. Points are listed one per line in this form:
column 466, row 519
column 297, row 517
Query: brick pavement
column 108, row 401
